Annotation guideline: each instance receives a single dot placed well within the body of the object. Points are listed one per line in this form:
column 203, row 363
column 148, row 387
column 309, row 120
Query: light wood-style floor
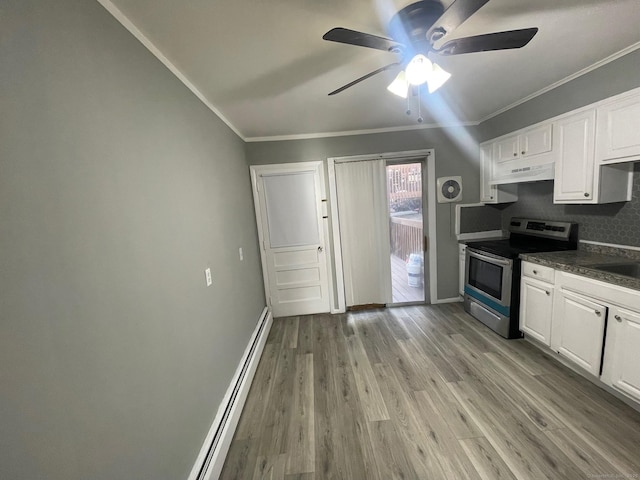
column 423, row 393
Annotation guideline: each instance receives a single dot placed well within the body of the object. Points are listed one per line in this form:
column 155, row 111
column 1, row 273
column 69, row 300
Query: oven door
column 488, row 279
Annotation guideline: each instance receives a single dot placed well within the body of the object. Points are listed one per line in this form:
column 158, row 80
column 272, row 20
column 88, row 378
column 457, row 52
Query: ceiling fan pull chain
column 408, row 112
column 420, row 119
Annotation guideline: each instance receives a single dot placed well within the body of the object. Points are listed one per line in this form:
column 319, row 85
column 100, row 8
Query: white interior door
column 289, row 212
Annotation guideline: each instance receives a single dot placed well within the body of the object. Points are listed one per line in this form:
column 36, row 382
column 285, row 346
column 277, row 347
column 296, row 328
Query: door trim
column 256, row 171
column 430, row 168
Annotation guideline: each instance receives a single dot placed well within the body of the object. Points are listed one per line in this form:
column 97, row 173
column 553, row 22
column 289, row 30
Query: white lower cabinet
column 578, row 329
column 621, row 367
column 536, row 306
column 572, row 317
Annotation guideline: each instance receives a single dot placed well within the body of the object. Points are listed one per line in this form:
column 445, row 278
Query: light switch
column 240, row 254
column 207, row 275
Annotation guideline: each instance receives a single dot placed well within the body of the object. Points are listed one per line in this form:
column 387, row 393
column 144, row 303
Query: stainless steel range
column 492, row 270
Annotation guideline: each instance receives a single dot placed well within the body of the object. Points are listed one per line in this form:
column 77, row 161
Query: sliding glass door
column 405, row 200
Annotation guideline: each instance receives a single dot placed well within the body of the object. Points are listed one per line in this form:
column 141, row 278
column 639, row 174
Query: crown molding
column 142, row 38
column 306, row 136
column 571, row 77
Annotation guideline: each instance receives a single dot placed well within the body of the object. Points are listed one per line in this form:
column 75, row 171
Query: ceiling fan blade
column 364, row 77
column 453, row 17
column 361, row 39
column 489, row 41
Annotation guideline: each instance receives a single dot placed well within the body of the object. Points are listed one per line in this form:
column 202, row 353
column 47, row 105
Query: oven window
column 486, row 276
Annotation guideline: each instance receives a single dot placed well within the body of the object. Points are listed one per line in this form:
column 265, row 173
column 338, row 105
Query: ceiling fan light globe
column 418, row 70
column 437, row 77
column 399, row 86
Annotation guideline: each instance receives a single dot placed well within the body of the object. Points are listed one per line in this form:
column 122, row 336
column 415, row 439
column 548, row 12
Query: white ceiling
column 263, row 64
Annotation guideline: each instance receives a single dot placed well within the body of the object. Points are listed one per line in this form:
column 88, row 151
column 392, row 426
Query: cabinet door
column 574, row 158
column 536, row 141
column 487, row 192
column 622, row 352
column 618, row 133
column 493, row 193
column 461, row 265
column 578, row 329
column 536, row 305
column 506, row 149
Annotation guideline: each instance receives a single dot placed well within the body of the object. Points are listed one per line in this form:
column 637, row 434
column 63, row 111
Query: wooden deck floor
column 423, row 393
column 402, row 292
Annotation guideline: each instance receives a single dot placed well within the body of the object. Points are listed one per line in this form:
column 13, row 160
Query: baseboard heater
column 202, row 474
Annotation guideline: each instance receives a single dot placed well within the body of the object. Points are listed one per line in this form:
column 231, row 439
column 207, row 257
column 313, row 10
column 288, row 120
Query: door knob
column 618, row 318
column 320, row 249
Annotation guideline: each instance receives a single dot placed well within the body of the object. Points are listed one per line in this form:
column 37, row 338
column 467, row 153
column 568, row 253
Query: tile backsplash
column 617, row 223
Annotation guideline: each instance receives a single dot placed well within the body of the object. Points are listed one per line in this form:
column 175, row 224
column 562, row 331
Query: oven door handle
column 486, row 258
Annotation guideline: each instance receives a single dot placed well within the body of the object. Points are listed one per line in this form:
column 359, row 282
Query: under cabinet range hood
column 523, row 169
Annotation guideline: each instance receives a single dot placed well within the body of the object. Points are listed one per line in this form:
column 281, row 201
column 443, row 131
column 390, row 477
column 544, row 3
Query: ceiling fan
column 415, row 30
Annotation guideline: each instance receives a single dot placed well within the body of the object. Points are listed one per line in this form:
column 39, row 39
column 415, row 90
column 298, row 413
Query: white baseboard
column 448, row 300
column 210, row 460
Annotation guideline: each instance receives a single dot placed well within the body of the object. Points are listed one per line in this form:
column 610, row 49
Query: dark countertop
column 579, row 262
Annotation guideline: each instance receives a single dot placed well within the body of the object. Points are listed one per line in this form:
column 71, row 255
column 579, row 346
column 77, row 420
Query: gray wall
column 617, row 223
column 611, row 79
column 456, row 153
column 117, row 188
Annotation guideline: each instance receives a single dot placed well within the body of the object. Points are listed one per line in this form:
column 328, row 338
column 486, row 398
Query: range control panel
column 543, row 228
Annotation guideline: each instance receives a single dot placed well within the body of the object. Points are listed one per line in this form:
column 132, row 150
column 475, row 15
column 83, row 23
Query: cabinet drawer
column 538, row 271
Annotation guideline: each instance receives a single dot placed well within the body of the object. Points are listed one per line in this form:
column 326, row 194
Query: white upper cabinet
column 524, row 156
column 493, row 193
column 535, row 141
column 506, row 149
column 578, row 177
column 618, row 132
column 527, row 143
column 587, row 152
column 574, row 158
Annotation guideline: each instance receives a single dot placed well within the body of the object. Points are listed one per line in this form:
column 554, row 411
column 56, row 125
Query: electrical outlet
column 240, row 254
column 207, row 275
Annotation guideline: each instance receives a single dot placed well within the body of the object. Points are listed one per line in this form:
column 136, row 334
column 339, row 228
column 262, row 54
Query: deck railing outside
column 406, row 237
column 404, row 188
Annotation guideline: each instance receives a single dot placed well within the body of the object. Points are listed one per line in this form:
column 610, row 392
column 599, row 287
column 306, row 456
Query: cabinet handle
column 586, row 194
column 617, row 317
column 523, row 152
column 547, row 292
column 598, row 313
column 515, row 154
column 535, row 272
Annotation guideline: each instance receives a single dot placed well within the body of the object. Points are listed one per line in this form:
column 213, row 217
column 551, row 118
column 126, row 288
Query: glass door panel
column 406, row 233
